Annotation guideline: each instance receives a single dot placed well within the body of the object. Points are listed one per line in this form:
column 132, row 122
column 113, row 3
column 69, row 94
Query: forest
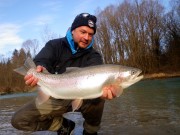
column 136, row 33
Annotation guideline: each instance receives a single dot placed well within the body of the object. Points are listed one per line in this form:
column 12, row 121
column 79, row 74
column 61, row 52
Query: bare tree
column 172, row 36
column 31, row 47
column 130, row 33
column 47, row 34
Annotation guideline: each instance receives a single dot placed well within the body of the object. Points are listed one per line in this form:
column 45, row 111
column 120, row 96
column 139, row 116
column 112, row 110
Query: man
column 73, row 50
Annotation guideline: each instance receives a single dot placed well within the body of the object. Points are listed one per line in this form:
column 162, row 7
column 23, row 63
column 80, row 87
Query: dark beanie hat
column 84, row 19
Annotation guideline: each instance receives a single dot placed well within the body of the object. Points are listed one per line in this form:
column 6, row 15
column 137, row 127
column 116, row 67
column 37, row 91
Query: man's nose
column 86, row 36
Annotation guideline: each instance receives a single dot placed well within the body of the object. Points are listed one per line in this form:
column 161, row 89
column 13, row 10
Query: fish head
column 128, row 76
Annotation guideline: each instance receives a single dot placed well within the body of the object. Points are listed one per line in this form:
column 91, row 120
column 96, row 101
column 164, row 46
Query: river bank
column 161, row 75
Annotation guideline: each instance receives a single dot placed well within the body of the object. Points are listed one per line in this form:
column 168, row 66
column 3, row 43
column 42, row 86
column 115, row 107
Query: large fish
column 81, row 83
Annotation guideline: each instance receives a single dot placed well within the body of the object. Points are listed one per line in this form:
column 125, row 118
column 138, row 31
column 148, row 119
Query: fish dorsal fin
column 71, row 69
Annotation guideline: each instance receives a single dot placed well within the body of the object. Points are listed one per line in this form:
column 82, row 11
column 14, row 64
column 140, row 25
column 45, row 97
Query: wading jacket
column 58, row 54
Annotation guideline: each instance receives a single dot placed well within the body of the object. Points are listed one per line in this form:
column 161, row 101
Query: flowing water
column 150, row 107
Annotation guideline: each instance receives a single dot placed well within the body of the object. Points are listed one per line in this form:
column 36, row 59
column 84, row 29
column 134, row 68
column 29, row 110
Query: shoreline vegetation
column 146, row 77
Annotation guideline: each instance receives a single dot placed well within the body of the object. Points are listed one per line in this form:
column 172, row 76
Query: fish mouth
column 137, row 77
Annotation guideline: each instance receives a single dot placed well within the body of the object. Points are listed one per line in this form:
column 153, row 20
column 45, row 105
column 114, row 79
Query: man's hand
column 111, row 91
column 30, row 80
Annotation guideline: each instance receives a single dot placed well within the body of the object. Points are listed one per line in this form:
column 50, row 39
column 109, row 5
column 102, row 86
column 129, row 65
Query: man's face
column 83, row 36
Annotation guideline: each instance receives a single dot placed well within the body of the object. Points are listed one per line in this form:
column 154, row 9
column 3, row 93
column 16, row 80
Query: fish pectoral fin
column 115, row 89
column 118, row 91
column 76, row 104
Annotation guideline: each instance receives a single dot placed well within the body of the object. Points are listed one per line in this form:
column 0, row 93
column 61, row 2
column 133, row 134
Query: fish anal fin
column 41, row 97
column 76, row 104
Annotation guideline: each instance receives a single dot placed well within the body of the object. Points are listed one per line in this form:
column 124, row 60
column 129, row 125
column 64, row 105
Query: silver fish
column 82, row 83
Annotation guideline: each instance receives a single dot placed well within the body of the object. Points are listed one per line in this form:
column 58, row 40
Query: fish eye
column 133, row 72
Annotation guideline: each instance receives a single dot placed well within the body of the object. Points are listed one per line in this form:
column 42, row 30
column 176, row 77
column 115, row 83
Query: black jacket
column 57, row 55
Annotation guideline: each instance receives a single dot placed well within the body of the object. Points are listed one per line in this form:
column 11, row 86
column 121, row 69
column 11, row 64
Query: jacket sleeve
column 94, row 59
column 46, row 56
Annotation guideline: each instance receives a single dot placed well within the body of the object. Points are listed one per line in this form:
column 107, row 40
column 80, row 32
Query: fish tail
column 29, row 63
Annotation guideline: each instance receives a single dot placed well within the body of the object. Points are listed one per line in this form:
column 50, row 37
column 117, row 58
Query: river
column 150, row 107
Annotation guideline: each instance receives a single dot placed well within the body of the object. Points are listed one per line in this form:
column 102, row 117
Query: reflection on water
column 8, row 105
column 148, row 107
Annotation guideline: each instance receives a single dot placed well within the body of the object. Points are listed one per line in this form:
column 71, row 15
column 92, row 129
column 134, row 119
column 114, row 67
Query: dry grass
column 161, row 75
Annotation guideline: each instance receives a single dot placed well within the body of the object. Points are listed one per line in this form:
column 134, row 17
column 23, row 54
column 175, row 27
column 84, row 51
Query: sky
column 21, row 20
